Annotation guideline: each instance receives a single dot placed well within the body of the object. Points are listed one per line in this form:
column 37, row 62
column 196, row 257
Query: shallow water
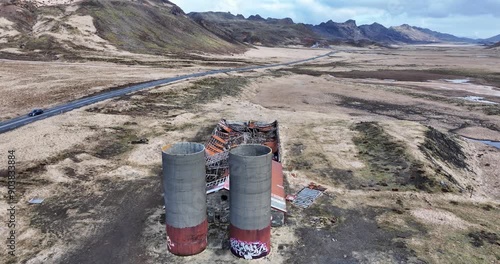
column 495, row 144
column 477, row 99
column 458, row 81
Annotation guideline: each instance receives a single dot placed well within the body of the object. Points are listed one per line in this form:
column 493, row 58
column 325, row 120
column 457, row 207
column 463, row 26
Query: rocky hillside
column 418, row 34
column 379, row 33
column 271, row 32
column 414, row 34
column 53, row 28
column 335, row 31
column 152, row 26
column 495, row 46
column 493, row 39
column 255, row 29
column 15, row 19
column 60, row 27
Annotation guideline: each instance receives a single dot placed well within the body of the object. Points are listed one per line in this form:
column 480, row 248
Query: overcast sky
column 465, row 18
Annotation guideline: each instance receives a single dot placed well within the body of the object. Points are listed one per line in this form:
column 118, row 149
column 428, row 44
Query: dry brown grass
column 82, row 163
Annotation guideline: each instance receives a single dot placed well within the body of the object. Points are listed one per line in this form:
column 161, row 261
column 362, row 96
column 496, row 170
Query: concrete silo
column 184, row 188
column 250, row 201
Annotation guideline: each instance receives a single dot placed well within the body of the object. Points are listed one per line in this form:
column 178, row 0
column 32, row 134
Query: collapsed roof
column 229, row 134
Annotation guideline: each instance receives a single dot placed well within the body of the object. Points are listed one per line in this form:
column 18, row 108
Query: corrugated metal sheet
column 306, row 197
column 278, row 201
column 187, row 241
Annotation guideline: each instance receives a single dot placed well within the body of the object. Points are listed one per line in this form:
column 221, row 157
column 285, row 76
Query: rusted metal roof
column 229, row 134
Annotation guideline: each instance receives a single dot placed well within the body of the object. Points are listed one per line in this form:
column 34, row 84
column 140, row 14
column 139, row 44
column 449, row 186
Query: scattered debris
column 315, row 186
column 277, row 218
column 36, row 200
column 322, row 222
column 140, row 141
column 228, row 135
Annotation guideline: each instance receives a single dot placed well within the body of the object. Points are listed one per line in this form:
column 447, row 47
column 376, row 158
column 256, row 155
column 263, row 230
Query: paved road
column 24, row 120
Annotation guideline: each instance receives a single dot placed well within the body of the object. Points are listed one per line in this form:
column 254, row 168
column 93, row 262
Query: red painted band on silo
column 250, row 244
column 187, row 241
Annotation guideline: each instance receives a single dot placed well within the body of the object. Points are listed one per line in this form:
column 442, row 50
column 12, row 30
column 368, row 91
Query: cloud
column 459, row 17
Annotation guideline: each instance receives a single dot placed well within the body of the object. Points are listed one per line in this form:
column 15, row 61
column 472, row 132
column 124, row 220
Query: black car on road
column 36, row 112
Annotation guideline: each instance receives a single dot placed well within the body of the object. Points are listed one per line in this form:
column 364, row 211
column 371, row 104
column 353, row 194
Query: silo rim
column 183, row 149
column 251, row 150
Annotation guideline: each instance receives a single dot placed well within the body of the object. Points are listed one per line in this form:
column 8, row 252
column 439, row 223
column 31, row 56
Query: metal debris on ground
column 140, row 141
column 291, row 197
column 277, row 218
column 230, row 134
column 315, row 186
column 308, row 195
column 36, row 200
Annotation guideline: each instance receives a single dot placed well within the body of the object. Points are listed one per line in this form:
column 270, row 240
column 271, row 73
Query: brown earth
column 402, row 185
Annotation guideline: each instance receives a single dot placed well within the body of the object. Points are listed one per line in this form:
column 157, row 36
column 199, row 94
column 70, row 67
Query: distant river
column 495, row 144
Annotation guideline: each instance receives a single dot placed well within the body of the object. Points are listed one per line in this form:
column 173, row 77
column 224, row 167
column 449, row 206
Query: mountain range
column 271, row 31
column 160, row 26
